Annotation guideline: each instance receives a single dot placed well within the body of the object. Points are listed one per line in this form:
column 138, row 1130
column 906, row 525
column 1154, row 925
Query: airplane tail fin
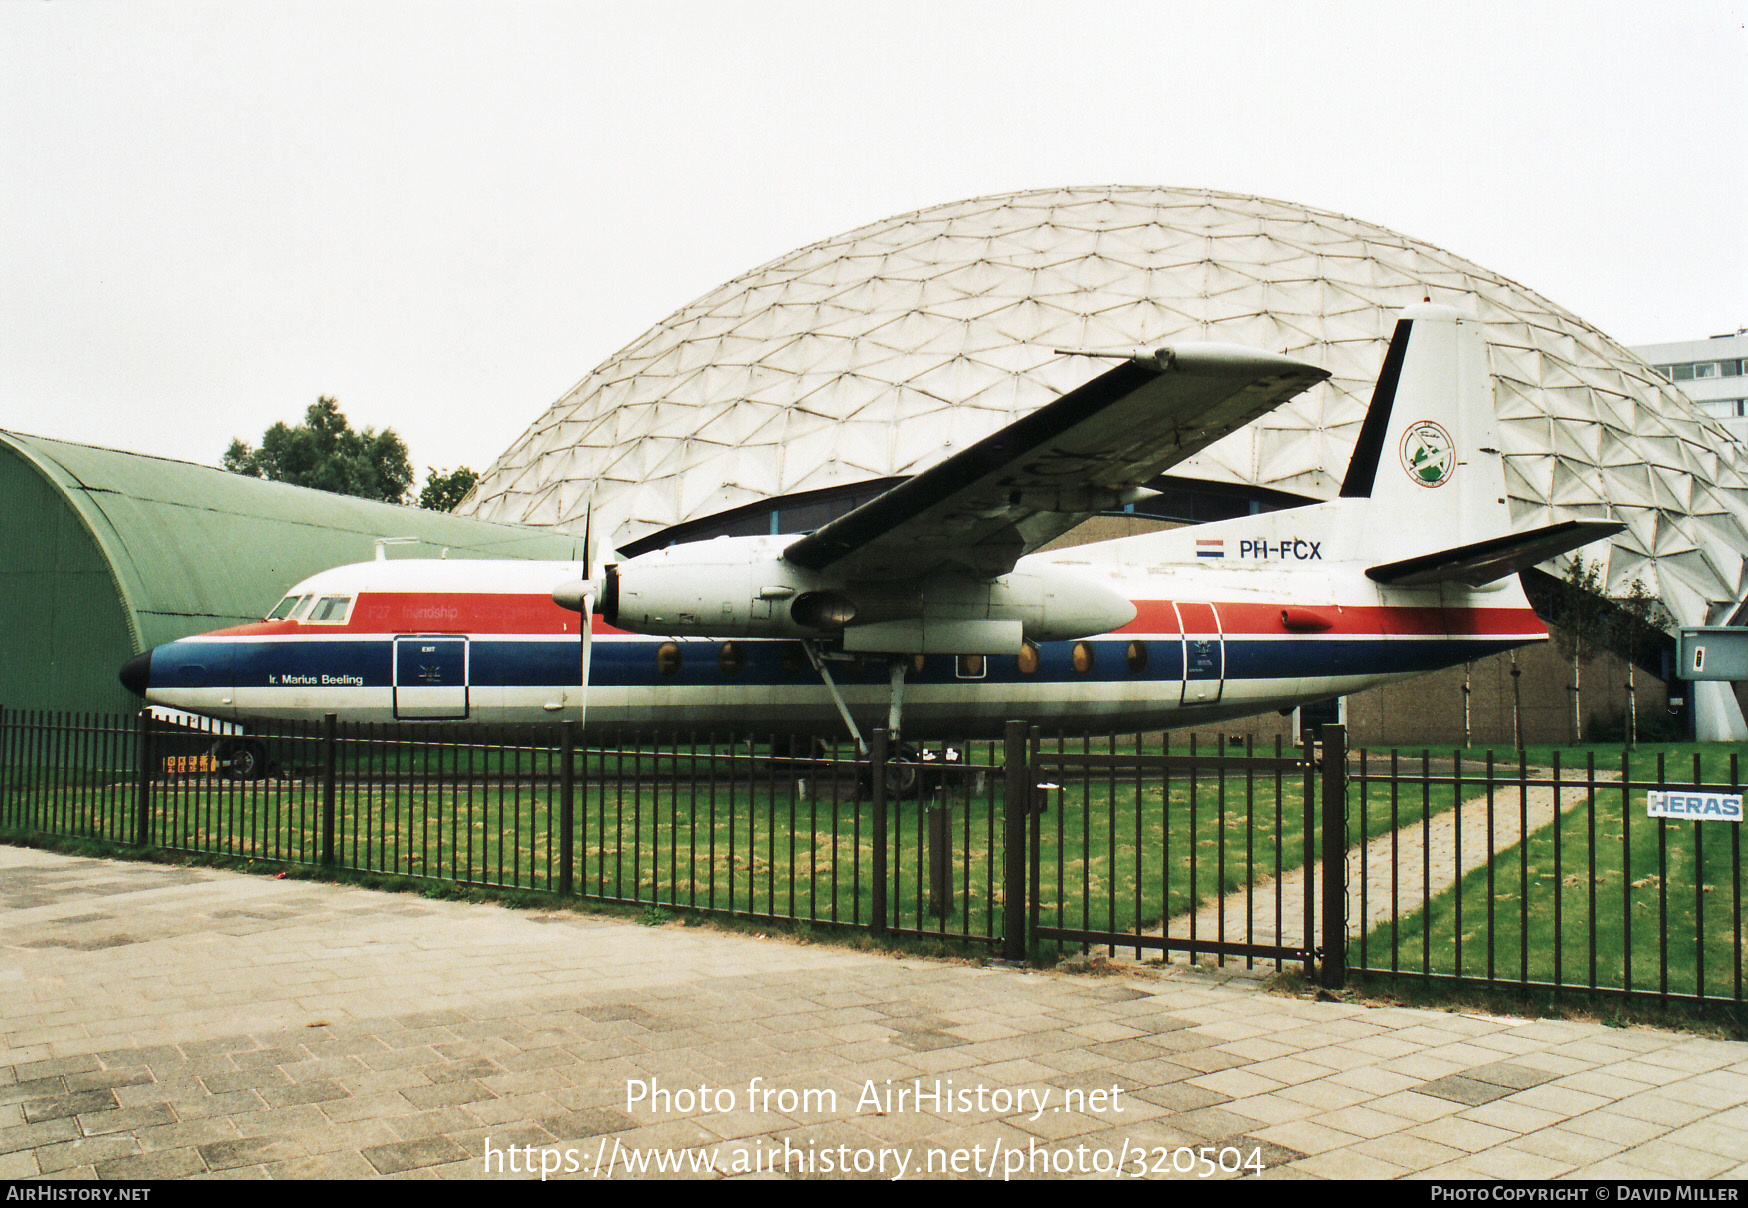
column 1428, row 452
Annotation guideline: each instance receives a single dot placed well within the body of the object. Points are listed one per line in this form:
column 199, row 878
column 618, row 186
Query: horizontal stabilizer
column 1484, row 561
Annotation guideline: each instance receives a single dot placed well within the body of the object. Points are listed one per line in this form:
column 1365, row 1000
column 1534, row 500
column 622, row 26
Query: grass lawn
column 1607, row 897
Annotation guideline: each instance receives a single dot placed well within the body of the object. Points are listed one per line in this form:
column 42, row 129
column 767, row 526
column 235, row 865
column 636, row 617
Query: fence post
column 330, row 723
column 1334, row 968
column 143, row 788
column 877, row 908
column 567, row 800
column 8, row 806
column 940, row 862
column 1017, row 793
column 1035, row 841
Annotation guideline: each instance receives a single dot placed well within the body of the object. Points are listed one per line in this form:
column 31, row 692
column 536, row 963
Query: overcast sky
column 445, row 214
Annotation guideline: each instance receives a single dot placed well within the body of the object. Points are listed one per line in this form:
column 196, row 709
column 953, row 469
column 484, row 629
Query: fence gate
column 1209, row 851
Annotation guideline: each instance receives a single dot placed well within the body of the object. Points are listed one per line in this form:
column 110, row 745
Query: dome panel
column 873, row 353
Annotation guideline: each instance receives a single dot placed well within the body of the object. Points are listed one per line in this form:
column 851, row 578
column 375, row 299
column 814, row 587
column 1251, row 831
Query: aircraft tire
column 241, row 758
column 903, row 772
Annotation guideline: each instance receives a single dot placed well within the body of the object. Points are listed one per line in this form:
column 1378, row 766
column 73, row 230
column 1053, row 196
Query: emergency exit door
column 430, row 678
column 1204, row 653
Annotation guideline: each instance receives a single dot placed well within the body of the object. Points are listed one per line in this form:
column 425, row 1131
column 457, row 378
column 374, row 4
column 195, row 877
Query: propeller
column 588, row 609
column 580, row 597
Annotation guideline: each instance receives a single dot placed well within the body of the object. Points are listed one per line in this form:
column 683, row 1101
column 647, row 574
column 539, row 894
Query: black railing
column 1207, row 850
column 1548, row 877
column 1442, row 868
column 764, row 827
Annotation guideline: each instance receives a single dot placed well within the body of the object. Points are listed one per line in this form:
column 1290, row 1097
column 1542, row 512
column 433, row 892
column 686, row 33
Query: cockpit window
column 284, row 607
column 329, row 610
column 303, row 608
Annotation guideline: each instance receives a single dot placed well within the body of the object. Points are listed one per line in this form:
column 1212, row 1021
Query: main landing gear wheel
column 241, row 758
column 903, row 771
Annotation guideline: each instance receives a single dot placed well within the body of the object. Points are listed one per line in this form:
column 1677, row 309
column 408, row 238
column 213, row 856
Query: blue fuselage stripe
column 511, row 663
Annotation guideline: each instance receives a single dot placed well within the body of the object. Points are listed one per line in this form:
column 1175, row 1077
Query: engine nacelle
column 730, row 587
column 742, row 587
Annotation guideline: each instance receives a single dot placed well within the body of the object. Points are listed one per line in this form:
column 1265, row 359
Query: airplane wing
column 1485, row 561
column 983, row 508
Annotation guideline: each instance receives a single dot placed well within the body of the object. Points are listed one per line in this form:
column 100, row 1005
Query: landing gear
column 241, row 758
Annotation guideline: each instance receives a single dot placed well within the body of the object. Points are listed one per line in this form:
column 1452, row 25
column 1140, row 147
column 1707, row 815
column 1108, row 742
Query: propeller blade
column 588, row 610
column 588, row 650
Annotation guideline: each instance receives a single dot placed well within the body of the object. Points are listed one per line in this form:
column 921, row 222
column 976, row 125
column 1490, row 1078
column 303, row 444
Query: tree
column 1581, row 626
column 444, row 488
column 1639, row 627
column 325, row 453
column 1587, row 622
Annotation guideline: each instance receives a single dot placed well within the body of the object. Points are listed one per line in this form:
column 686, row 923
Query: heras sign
column 1697, row 804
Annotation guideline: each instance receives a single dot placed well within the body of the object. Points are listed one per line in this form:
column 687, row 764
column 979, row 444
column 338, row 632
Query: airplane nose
column 136, row 673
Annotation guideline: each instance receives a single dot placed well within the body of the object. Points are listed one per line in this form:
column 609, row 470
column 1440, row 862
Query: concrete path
column 170, row 1022
column 1389, row 876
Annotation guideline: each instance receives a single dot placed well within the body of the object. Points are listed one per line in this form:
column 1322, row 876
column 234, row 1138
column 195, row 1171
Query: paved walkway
column 167, row 1022
column 1387, row 877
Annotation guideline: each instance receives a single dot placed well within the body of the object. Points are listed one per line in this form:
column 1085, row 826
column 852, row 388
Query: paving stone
column 1462, row 1089
column 471, row 1023
column 411, row 1155
column 68, row 1105
column 83, row 1151
column 248, row 1151
column 163, row 1164
column 1509, row 1074
column 1211, row 1123
column 251, row 1079
column 126, row 1119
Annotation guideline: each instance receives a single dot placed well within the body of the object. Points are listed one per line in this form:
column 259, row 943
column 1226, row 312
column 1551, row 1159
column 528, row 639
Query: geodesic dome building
column 791, row 392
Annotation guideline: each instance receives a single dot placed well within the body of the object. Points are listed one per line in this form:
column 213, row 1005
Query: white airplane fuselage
column 1153, row 631
column 1232, row 618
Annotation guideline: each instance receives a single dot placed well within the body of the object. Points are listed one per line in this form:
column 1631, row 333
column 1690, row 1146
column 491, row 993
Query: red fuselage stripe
column 502, row 613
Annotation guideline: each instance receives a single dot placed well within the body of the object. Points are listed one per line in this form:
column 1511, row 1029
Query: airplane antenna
column 382, row 544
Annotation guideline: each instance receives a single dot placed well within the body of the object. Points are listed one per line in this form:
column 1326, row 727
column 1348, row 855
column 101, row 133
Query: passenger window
column 731, row 659
column 1137, row 655
column 1083, row 658
column 330, row 610
column 668, row 660
column 1029, row 659
column 971, row 666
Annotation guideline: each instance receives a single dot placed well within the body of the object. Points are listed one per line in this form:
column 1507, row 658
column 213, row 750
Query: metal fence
column 760, row 827
column 1546, row 877
column 1437, row 867
column 1207, row 851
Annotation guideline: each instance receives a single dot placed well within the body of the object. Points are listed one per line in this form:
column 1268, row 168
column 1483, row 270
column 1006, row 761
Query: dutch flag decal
column 1211, row 547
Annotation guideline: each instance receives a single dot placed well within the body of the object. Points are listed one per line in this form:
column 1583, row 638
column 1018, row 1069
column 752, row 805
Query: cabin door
column 430, row 678
column 1204, row 653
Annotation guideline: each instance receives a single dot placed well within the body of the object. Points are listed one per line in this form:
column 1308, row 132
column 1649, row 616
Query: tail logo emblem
column 1428, row 454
